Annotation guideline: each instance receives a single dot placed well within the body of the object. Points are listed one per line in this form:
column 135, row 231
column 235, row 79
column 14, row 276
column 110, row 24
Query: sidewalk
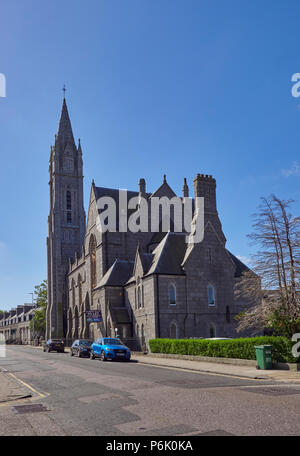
column 10, row 389
column 218, row 368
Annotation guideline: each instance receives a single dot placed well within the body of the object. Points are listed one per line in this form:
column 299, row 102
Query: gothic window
column 80, row 289
column 139, row 292
column 68, row 164
column 73, row 293
column 139, row 297
column 93, row 261
column 227, row 314
column 172, row 295
column 142, row 336
column 211, row 295
column 173, row 330
column 69, row 201
column 69, row 217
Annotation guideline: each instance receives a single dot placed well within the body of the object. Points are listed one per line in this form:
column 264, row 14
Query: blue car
column 109, row 348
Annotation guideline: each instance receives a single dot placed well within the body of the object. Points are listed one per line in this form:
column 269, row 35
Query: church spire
column 65, row 133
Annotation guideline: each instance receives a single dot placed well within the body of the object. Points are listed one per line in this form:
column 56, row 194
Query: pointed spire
column 185, row 189
column 165, row 179
column 79, row 147
column 65, row 132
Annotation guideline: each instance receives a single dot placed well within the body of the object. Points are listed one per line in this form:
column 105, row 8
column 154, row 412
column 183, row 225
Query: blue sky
column 153, row 87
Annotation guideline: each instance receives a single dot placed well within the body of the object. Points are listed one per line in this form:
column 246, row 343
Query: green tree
column 38, row 323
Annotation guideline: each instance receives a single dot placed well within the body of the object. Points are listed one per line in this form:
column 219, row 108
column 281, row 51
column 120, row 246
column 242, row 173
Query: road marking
column 28, row 386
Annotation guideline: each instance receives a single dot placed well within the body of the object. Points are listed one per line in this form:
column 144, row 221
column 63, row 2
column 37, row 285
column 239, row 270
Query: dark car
column 57, row 345
column 81, row 347
column 110, row 348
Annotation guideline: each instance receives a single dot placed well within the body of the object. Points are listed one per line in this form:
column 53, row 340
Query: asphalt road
column 89, row 397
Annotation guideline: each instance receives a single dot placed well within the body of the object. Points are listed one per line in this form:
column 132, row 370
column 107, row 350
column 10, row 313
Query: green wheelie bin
column 263, row 356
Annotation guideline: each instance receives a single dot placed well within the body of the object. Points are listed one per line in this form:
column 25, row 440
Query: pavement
column 219, row 368
column 10, row 388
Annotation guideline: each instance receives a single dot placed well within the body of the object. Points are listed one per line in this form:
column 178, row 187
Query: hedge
column 242, row 348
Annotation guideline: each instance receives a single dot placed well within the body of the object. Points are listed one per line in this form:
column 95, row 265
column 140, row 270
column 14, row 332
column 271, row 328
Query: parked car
column 57, row 345
column 110, row 348
column 81, row 347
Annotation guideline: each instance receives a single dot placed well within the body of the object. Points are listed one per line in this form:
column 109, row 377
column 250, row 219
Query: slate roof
column 169, row 255
column 240, row 267
column 118, row 274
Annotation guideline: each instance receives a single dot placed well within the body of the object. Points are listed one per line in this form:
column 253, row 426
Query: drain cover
column 273, row 391
column 30, row 408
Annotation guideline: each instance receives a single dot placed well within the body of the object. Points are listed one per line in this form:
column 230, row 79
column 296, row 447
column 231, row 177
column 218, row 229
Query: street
column 89, row 397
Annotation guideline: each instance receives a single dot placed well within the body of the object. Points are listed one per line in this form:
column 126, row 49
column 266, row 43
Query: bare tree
column 276, row 269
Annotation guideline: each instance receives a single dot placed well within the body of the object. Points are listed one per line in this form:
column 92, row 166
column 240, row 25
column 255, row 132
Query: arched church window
column 172, row 295
column 80, row 289
column 73, row 293
column 211, row 295
column 93, row 261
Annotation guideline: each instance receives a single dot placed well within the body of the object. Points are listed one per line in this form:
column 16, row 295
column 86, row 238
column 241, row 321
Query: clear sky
column 153, row 86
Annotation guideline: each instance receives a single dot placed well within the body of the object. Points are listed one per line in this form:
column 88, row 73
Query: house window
column 211, row 295
column 172, row 295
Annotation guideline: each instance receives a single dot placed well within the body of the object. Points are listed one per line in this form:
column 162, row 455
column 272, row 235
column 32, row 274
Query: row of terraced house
column 15, row 324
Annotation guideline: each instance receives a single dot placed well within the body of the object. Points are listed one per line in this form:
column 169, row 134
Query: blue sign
column 93, row 316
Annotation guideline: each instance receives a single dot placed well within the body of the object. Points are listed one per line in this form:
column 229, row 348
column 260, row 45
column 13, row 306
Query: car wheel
column 71, row 353
column 92, row 356
column 102, row 356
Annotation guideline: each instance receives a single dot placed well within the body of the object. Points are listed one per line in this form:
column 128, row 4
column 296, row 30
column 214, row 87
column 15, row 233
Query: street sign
column 93, row 316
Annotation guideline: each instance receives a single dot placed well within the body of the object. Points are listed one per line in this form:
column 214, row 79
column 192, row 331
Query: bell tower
column 66, row 221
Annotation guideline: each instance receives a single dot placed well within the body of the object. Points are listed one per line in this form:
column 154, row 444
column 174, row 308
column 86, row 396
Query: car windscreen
column 55, row 341
column 86, row 343
column 112, row 342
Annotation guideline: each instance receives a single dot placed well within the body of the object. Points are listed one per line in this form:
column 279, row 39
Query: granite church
column 145, row 285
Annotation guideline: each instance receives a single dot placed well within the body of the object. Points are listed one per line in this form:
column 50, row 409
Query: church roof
column 169, row 255
column 240, row 267
column 118, row 274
